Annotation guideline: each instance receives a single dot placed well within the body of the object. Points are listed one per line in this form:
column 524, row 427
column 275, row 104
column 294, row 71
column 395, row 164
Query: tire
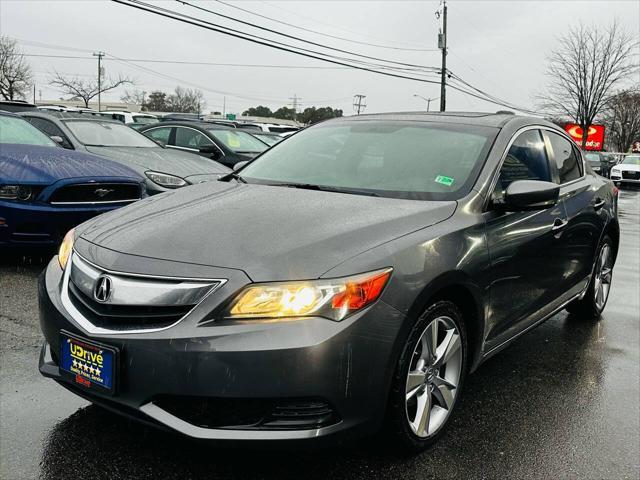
column 449, row 369
column 592, row 305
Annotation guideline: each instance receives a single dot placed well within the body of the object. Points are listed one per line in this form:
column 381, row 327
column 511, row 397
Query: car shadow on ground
column 520, row 397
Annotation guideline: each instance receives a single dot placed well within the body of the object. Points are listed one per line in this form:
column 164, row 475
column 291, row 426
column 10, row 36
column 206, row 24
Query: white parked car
column 131, row 117
column 627, row 171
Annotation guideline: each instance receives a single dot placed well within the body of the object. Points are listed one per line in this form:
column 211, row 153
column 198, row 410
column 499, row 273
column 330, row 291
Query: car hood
column 629, row 167
column 30, row 164
column 160, row 159
column 269, row 232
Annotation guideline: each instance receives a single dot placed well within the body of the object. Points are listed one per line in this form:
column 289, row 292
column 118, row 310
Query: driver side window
column 525, row 160
column 189, row 138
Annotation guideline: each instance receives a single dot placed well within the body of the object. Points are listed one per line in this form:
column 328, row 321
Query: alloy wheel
column 433, row 377
column 602, row 282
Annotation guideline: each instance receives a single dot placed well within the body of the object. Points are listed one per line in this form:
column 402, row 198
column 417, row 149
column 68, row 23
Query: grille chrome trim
column 89, row 327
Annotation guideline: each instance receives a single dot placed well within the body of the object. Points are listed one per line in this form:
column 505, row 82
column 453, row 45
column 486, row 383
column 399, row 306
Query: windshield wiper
column 235, row 176
column 324, row 188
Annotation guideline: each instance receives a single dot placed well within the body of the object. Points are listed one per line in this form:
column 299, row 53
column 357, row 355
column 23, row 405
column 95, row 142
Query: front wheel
column 429, row 377
column 594, row 301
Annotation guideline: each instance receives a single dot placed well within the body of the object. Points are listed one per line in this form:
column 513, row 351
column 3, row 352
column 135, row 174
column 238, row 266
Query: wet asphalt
column 561, row 402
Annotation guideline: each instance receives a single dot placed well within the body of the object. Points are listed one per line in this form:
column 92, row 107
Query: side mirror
column 239, row 165
column 210, row 150
column 57, row 138
column 523, row 195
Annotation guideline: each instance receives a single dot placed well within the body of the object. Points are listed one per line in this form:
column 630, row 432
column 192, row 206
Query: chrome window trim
column 90, row 328
column 513, row 138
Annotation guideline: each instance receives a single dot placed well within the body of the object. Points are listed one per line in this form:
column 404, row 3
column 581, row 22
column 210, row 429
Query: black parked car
column 212, row 140
column 164, row 169
column 600, row 162
column 355, row 273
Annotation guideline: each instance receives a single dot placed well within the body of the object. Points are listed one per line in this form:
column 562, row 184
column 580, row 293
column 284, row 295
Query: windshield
column 268, row 139
column 416, row 160
column 17, row 130
column 632, row 160
column 108, row 134
column 239, row 142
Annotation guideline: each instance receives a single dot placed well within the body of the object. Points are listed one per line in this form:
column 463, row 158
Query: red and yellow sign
column 595, row 135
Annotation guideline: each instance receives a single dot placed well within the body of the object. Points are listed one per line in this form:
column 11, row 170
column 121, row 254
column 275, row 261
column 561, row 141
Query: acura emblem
column 101, row 192
column 102, row 290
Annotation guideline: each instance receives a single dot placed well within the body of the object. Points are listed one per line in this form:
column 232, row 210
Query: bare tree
column 584, row 70
column 86, row 89
column 622, row 119
column 136, row 96
column 186, row 100
column 15, row 73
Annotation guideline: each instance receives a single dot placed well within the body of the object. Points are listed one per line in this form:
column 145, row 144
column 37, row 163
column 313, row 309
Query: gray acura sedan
column 346, row 280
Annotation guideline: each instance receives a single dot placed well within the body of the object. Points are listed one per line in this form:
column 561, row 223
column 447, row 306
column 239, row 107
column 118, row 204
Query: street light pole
column 428, row 100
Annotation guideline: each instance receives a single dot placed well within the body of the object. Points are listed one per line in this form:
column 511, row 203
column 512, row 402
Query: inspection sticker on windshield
column 448, row 181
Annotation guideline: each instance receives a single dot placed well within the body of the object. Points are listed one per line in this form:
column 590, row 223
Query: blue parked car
column 45, row 189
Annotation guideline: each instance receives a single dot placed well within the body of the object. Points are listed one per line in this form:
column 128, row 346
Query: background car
column 45, row 189
column 211, row 140
column 627, row 172
column 163, row 168
column 130, row 117
column 16, row 106
column 600, row 162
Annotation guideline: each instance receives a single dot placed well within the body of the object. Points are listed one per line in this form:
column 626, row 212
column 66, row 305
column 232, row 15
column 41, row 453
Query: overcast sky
column 498, row 46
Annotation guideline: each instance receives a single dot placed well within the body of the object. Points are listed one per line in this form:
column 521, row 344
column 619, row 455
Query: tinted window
column 18, row 130
column 526, row 160
column 50, row 129
column 190, row 138
column 161, row 134
column 144, row 119
column 426, row 161
column 108, row 134
column 566, row 158
column 631, row 160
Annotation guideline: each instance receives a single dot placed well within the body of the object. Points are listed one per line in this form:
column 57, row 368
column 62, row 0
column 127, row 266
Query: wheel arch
column 458, row 288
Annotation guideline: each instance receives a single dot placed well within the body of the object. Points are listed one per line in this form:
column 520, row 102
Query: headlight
column 15, row 192
column 334, row 298
column 165, row 180
column 66, row 248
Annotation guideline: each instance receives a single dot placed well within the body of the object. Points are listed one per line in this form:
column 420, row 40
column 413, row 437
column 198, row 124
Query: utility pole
column 295, row 102
column 99, row 55
column 224, row 106
column 34, row 93
column 144, row 94
column 359, row 104
column 442, row 45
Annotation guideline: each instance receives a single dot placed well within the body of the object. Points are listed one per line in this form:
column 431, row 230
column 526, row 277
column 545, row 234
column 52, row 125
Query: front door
column 526, row 263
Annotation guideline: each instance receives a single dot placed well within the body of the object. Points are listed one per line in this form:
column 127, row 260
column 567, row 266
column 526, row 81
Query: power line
column 176, row 16
column 322, row 33
column 292, row 37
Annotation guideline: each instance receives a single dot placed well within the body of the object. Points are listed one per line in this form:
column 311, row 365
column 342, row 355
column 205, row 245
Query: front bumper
column 346, row 366
column 618, row 177
column 42, row 225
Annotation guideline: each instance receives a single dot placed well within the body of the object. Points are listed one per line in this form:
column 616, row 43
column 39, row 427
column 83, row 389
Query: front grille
column 250, row 413
column 96, row 193
column 125, row 317
column 631, row 175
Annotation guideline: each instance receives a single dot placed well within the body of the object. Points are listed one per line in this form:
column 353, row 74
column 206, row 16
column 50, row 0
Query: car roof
column 178, row 123
column 497, row 119
column 64, row 116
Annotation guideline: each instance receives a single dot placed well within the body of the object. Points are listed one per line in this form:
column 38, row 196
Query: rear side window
column 566, row 158
column 525, row 160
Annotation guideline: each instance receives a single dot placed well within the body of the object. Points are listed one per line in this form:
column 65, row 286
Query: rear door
column 526, row 261
column 584, row 210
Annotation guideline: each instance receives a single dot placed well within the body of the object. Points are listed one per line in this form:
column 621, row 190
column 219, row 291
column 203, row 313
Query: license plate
column 88, row 364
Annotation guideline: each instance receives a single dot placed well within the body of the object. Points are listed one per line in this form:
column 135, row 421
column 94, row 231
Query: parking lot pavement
column 561, row 402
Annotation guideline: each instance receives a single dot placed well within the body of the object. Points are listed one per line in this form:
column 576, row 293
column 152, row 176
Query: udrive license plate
column 89, row 364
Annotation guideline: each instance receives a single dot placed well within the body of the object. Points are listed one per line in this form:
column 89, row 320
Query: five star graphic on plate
column 97, row 370
column 75, row 363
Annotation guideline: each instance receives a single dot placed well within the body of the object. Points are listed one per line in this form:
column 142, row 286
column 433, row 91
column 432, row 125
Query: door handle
column 559, row 224
column 598, row 204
